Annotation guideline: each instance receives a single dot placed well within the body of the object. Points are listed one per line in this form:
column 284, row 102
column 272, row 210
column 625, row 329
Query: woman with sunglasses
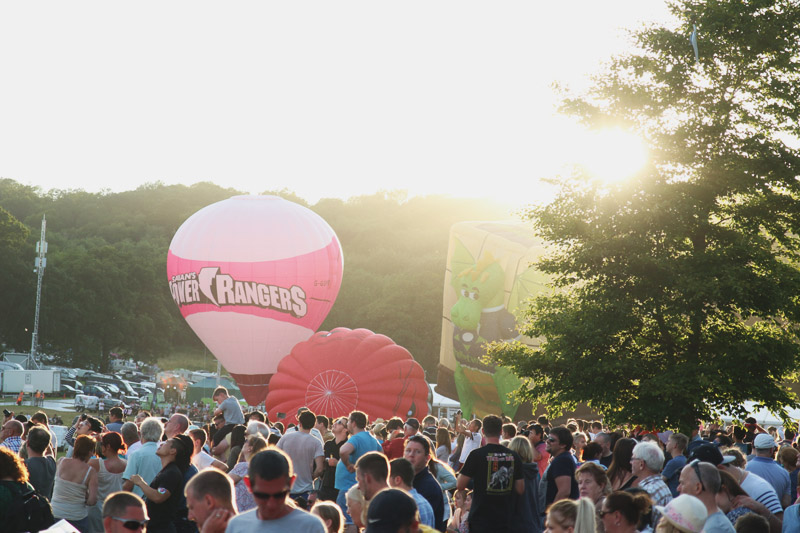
column 622, row 511
column 253, row 445
column 163, row 494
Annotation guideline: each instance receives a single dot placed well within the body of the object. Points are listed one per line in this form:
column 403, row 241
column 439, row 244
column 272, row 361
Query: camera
column 6, row 412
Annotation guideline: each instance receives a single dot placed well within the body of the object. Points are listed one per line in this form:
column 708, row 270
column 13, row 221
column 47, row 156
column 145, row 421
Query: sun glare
column 611, row 155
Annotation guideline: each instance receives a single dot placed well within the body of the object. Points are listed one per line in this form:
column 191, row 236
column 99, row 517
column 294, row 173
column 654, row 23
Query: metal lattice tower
column 40, row 264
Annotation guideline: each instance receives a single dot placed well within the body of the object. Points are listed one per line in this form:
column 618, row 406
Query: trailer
column 28, row 381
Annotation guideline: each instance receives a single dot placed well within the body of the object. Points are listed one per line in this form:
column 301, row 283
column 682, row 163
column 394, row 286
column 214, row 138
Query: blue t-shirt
column 775, row 474
column 672, row 473
column 363, row 442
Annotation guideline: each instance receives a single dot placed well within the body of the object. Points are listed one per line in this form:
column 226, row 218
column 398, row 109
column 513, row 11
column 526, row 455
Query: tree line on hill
column 105, row 287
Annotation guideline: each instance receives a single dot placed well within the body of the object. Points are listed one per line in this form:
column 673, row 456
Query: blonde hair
column 665, row 526
column 578, row 514
column 523, row 447
column 355, row 495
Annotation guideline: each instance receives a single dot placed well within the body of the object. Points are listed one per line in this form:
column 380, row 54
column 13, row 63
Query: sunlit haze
column 611, row 155
column 327, row 99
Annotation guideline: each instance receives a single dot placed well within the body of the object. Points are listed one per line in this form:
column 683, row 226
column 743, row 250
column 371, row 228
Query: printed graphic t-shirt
column 493, row 469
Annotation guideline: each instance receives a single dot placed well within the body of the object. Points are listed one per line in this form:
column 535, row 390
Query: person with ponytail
column 163, row 495
column 622, row 511
column 109, row 467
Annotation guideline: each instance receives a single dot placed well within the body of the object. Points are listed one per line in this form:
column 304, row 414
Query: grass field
column 28, row 410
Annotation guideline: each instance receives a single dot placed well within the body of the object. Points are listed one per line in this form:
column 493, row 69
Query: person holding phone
column 472, row 437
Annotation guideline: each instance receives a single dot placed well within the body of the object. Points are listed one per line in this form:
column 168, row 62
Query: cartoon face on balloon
column 253, row 276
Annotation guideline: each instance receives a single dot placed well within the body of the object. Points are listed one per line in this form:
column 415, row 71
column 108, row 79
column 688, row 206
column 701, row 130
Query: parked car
column 68, row 391
column 96, row 390
column 142, row 391
column 126, row 388
column 113, row 402
column 74, row 383
column 110, row 387
column 128, row 399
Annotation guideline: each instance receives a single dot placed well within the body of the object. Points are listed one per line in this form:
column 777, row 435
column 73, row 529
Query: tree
column 676, row 292
column 13, row 323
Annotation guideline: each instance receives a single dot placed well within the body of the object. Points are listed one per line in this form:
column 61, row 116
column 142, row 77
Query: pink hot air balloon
column 253, row 276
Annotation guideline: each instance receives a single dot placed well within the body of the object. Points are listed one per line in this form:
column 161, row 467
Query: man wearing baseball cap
column 755, row 487
column 763, row 465
column 709, row 453
column 393, row 511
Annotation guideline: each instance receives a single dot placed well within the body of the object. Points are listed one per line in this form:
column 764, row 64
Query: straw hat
column 685, row 512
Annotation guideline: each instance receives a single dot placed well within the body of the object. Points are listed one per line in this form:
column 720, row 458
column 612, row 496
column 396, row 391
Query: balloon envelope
column 336, row 372
column 488, row 279
column 253, row 276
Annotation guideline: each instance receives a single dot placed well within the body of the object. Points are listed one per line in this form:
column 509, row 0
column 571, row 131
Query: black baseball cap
column 413, row 423
column 390, row 509
column 709, row 453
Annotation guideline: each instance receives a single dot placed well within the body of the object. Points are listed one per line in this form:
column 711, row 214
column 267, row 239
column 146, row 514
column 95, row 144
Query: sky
column 326, row 99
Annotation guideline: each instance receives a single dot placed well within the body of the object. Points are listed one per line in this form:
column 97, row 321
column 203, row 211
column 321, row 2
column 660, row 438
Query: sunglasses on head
column 696, row 465
column 133, row 525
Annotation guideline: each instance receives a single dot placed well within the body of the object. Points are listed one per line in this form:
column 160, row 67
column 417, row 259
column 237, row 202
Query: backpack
column 29, row 510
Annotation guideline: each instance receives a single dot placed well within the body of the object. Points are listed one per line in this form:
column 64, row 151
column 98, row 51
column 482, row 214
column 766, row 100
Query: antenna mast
column 39, row 266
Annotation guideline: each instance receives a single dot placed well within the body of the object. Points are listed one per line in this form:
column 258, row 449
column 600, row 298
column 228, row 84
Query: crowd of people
column 242, row 472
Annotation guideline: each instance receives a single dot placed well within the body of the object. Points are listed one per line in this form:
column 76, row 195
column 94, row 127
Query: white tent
column 442, row 406
column 764, row 417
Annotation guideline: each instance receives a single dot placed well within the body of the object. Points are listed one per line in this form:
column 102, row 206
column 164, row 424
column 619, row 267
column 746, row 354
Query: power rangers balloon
column 253, row 276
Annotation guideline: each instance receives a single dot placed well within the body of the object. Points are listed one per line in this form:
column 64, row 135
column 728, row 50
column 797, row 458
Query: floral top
column 244, row 500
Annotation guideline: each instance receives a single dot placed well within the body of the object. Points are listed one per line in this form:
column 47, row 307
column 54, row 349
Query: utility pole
column 39, row 266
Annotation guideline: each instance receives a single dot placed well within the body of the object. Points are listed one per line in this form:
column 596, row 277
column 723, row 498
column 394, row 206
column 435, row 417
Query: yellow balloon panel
column 489, row 277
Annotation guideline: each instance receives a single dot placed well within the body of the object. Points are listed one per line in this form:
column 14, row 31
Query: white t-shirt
column 303, row 449
column 202, row 460
column 53, row 441
column 314, row 432
column 297, row 522
column 761, row 491
column 133, row 447
column 470, row 443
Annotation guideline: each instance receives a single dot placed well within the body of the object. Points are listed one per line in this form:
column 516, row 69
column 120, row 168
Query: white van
column 84, row 402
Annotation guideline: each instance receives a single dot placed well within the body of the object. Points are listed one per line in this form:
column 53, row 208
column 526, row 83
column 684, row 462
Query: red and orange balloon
column 336, row 372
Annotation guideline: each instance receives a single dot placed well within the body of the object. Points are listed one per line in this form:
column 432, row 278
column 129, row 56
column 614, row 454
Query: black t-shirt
column 162, row 514
column 331, row 449
column 606, row 461
column 493, row 469
column 561, row 465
